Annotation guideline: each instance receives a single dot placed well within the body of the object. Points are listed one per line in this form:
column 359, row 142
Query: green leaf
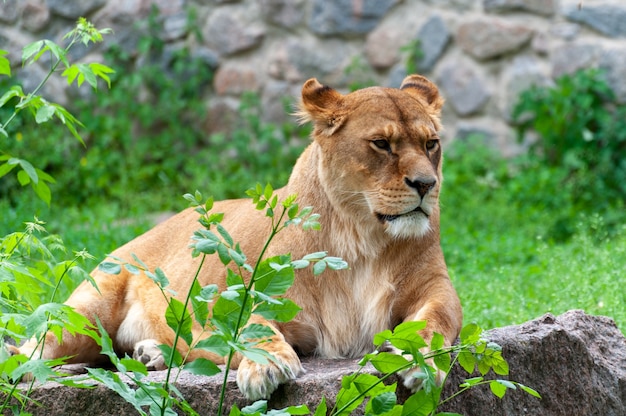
column 383, row 403
column 321, row 409
column 22, row 178
column 31, row 50
column 202, row 367
column 110, row 267
column 387, row 362
column 267, row 193
column 319, row 267
column 382, row 337
column 467, row 360
column 315, row 256
column 283, row 312
column 406, row 338
column 29, row 169
column 274, row 276
column 102, row 71
column 199, row 305
column 134, row 366
column 443, row 361
column 419, row 404
column 529, row 390
column 178, row 318
column 5, row 65
column 256, row 332
column 257, row 355
column 43, row 191
column 300, row 264
column 497, row 388
column 470, row 334
column 214, row 344
column 336, row 263
column 436, row 343
column 15, row 91
column 225, row 235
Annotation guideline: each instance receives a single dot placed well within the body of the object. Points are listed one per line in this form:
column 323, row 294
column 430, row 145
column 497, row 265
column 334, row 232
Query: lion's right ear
column 322, row 105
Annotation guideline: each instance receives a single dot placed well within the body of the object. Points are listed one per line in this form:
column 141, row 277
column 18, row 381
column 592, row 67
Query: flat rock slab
column 576, row 361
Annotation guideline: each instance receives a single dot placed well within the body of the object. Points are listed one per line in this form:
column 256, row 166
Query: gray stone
column 575, row 361
column 609, row 20
column 524, row 72
column 285, row 13
column 297, row 60
column 490, row 38
column 434, row 37
column 397, row 75
column 613, row 61
column 347, row 17
column 73, row 9
column 456, row 5
column 9, row 10
column 463, row 88
column 276, row 96
column 230, row 33
column 571, row 57
column 35, row 17
column 542, row 7
column 382, row 46
column 174, row 26
column 233, row 80
column 564, row 30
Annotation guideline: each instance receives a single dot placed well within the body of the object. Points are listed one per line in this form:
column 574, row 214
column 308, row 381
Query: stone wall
column 482, row 53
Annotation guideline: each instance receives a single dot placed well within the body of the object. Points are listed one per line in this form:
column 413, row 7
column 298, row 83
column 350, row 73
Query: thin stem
column 177, row 336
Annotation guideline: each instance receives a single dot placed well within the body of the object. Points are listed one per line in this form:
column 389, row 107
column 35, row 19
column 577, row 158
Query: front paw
column 258, row 381
column 148, row 352
column 414, row 378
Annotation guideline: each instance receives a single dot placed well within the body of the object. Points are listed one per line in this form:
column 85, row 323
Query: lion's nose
column 421, row 185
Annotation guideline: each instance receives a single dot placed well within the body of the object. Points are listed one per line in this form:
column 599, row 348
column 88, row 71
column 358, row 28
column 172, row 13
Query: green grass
column 500, row 233
column 506, row 255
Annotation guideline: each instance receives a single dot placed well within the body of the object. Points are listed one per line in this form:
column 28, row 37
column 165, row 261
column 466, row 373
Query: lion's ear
column 425, row 90
column 320, row 104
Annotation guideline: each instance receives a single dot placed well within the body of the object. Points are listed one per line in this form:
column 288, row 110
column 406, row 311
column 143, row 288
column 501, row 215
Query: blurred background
column 535, row 126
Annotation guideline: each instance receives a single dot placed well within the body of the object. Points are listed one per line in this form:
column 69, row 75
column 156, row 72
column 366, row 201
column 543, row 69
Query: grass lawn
column 500, row 250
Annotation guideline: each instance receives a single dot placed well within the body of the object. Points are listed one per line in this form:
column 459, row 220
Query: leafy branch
column 41, row 108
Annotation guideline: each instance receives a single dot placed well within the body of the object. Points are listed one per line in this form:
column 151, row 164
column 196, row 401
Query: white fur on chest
column 353, row 314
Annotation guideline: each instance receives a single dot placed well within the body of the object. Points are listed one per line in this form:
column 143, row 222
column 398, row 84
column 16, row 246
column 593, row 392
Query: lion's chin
column 411, row 225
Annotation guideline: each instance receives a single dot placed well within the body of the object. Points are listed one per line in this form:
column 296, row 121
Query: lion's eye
column 432, row 145
column 382, row 144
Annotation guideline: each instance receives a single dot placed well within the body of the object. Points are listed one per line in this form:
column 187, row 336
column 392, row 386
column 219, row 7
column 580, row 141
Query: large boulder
column 577, row 363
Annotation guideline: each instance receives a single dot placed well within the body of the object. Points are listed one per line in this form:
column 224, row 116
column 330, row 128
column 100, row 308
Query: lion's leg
column 443, row 315
column 90, row 303
column 257, row 380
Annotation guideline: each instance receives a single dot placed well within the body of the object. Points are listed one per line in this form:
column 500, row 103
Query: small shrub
column 581, row 132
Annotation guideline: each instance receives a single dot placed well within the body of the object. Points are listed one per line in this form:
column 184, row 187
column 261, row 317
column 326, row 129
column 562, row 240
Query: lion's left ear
column 322, row 105
column 424, row 90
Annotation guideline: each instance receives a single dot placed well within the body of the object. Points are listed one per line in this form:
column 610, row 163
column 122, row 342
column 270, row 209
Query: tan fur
column 397, row 270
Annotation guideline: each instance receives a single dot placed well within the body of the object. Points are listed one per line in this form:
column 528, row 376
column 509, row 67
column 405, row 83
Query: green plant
column 227, row 319
column 31, row 276
column 40, row 108
column 582, row 133
column 413, row 55
column 472, row 353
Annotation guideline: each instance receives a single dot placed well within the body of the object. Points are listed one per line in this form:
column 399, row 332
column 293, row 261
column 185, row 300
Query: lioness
column 373, row 172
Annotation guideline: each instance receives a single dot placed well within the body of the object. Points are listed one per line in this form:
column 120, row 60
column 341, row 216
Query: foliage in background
column 148, row 133
column 581, row 140
column 15, row 101
column 30, row 273
column 506, row 260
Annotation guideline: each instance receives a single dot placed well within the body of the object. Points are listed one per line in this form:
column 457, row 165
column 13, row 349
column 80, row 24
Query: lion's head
column 380, row 151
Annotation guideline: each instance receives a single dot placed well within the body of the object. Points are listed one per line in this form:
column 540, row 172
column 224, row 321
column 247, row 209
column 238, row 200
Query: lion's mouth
column 390, row 218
